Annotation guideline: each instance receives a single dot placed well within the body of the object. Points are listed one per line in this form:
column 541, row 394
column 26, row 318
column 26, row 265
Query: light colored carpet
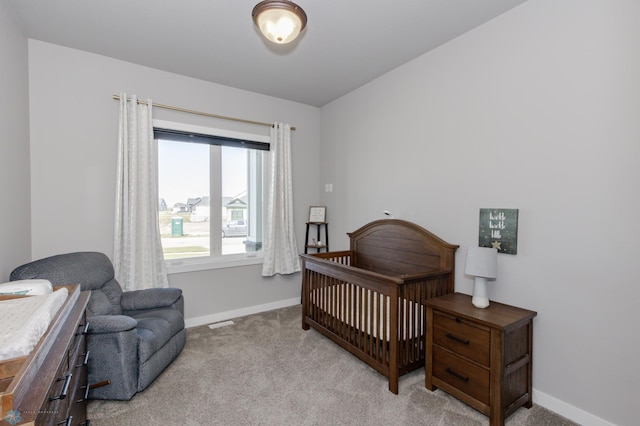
column 266, row 370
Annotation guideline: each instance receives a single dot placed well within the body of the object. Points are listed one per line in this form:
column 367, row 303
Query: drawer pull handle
column 85, row 330
column 85, row 361
column 67, row 421
column 86, row 423
column 65, row 388
column 459, row 376
column 457, row 339
column 86, row 394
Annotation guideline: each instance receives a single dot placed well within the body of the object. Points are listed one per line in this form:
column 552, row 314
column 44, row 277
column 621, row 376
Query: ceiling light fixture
column 279, row 21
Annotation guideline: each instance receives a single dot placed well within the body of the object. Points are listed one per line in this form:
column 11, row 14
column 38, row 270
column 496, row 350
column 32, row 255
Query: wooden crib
column 369, row 299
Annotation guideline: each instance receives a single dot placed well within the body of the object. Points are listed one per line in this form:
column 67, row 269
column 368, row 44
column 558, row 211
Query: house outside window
column 210, row 184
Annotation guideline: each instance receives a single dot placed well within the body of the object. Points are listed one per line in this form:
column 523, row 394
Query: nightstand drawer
column 461, row 374
column 463, row 337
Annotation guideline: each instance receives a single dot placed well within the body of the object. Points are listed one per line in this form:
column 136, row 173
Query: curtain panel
column 280, row 248
column 138, row 258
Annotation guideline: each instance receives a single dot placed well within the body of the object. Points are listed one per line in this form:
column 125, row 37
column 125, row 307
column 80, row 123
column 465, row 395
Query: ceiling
column 346, row 44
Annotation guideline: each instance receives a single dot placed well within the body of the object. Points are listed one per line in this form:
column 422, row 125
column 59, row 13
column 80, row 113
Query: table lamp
column 482, row 263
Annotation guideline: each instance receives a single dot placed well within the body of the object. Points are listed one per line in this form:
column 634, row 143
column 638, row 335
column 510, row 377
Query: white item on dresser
column 26, row 287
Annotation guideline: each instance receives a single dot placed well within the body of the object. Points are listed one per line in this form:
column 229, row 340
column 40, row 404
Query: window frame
column 174, row 266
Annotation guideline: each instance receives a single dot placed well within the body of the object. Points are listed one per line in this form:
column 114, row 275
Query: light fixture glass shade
column 482, row 263
column 279, row 21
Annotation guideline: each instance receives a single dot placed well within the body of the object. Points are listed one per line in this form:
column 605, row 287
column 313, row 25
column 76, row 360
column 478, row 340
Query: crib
column 369, row 299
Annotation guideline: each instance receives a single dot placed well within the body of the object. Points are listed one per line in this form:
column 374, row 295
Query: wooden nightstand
column 480, row 356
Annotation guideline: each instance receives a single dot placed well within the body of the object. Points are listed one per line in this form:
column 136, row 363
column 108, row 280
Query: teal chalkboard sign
column 499, row 229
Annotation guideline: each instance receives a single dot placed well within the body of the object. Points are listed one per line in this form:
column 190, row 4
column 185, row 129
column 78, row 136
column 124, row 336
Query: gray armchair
column 132, row 337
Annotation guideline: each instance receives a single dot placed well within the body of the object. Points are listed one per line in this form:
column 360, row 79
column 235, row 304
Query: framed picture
column 317, row 214
column 499, row 230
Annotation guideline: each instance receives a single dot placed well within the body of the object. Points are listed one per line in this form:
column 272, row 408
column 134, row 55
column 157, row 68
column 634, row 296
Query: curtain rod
column 206, row 114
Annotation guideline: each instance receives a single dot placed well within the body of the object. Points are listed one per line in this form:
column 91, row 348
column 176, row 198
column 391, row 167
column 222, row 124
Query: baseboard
column 566, row 410
column 237, row 313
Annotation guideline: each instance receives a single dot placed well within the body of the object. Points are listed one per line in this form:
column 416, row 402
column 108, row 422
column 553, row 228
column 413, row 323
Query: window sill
column 179, row 266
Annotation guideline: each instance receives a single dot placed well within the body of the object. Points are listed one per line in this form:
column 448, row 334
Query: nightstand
column 480, row 356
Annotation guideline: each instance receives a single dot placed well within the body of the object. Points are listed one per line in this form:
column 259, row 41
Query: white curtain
column 138, row 258
column 279, row 245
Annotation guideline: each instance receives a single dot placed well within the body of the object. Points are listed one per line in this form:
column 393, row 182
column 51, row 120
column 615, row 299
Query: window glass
column 184, row 187
column 210, row 203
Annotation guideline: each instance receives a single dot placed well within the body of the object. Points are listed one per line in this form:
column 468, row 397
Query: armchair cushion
column 92, row 270
column 155, row 329
column 151, row 298
column 105, row 300
column 111, row 324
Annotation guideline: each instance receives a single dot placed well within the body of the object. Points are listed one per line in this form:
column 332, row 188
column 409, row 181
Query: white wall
column 537, row 110
column 15, row 231
column 74, row 127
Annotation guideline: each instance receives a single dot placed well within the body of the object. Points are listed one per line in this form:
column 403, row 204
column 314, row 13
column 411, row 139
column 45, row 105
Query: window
column 210, row 184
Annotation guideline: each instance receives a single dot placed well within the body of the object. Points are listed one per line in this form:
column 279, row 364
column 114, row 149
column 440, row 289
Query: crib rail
column 378, row 318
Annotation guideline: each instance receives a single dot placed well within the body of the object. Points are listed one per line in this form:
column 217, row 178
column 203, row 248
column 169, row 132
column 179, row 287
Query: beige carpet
column 266, row 370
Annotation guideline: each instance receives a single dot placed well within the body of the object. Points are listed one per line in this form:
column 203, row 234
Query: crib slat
column 323, row 306
column 340, row 290
column 379, row 326
column 332, row 304
column 385, row 333
column 361, row 312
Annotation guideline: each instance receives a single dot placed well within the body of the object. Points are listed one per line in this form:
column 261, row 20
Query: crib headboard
column 397, row 247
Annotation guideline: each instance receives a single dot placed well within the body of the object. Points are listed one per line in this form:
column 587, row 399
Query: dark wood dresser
column 480, row 356
column 49, row 386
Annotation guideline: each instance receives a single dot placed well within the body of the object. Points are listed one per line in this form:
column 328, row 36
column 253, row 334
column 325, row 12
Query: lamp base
column 480, row 297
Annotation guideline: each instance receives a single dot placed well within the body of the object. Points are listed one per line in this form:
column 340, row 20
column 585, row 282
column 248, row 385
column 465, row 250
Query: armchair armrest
column 150, row 298
column 104, row 324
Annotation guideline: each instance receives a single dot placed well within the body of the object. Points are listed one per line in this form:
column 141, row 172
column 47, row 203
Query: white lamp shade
column 279, row 21
column 482, row 262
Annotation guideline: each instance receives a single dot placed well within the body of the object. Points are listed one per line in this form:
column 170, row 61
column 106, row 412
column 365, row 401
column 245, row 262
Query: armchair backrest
column 92, row 270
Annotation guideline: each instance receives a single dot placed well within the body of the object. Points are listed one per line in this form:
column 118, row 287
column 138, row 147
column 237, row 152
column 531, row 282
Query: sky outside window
column 184, row 171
